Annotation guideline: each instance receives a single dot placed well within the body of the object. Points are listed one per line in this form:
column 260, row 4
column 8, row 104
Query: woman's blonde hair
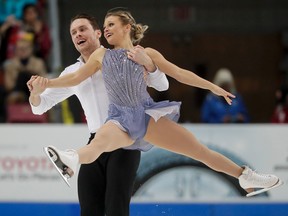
column 137, row 29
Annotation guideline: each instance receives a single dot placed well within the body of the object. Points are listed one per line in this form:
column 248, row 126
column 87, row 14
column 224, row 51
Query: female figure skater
column 134, row 119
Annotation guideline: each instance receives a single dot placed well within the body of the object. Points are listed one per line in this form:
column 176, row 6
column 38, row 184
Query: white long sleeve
column 93, row 98
column 158, row 80
column 49, row 98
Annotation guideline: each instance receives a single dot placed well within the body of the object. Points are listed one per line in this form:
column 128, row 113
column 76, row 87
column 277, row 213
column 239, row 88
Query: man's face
column 84, row 37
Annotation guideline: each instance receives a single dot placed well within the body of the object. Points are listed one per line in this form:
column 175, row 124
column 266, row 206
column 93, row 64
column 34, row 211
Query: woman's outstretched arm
column 93, row 65
column 185, row 76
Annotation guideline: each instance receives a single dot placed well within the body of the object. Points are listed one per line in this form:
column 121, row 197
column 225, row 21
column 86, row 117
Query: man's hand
column 29, row 83
column 37, row 85
column 138, row 55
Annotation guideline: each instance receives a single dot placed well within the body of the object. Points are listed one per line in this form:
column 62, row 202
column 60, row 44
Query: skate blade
column 279, row 183
column 54, row 164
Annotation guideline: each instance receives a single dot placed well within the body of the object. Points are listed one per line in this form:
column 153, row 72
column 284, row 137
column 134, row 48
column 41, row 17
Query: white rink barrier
column 26, row 175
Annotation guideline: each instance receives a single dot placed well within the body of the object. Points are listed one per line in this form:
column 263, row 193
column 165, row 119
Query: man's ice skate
column 65, row 162
column 259, row 182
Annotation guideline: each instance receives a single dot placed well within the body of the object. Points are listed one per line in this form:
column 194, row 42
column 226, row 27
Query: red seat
column 21, row 113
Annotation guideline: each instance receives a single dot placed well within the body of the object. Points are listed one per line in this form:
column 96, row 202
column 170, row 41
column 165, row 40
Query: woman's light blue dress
column 130, row 104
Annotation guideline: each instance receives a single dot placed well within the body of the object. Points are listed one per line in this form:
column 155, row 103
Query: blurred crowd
column 25, row 45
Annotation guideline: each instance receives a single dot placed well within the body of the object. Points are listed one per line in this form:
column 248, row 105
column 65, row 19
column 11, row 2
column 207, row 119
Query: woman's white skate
column 60, row 162
column 260, row 182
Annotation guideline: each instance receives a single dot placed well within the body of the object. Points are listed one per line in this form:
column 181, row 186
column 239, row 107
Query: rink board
column 152, row 209
column 29, row 185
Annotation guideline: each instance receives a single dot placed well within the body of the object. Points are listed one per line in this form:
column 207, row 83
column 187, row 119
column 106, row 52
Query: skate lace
column 260, row 177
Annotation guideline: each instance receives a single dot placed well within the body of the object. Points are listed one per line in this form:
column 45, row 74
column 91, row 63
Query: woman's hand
column 221, row 92
column 138, row 55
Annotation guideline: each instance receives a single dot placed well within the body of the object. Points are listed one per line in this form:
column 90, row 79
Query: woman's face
column 114, row 31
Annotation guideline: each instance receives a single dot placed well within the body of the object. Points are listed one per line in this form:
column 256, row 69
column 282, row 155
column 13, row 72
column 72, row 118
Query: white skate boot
column 262, row 182
column 65, row 162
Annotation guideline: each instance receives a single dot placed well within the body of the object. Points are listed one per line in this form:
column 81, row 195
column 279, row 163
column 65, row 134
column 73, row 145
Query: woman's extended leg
column 173, row 137
column 108, row 138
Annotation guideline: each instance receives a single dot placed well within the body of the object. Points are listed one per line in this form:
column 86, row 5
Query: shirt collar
column 80, row 58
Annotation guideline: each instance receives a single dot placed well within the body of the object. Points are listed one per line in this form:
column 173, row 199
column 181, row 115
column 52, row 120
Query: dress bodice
column 124, row 79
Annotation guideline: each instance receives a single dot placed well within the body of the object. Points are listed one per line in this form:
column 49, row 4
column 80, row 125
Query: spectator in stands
column 19, row 69
column 8, row 32
column 216, row 110
column 14, row 7
column 33, row 23
column 280, row 113
column 30, row 22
